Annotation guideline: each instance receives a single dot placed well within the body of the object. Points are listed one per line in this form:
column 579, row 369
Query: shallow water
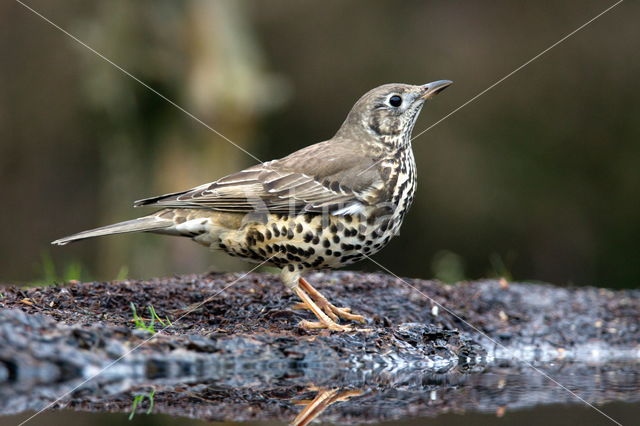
column 507, row 394
column 560, row 415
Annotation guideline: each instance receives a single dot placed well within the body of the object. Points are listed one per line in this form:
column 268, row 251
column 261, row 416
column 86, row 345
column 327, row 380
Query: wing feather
column 309, row 180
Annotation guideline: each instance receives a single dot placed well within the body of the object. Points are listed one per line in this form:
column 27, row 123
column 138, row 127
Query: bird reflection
column 325, row 397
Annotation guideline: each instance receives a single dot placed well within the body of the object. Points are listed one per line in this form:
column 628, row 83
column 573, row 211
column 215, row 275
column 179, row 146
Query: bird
column 324, row 206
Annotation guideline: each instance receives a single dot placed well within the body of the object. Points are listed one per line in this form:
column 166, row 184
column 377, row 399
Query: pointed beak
column 435, row 87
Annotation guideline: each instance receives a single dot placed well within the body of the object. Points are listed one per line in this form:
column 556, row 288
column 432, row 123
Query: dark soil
column 242, row 355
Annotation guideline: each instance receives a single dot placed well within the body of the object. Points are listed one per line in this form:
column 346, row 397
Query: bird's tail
column 153, row 222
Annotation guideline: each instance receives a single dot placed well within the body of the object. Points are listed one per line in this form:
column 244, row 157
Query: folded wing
column 319, row 178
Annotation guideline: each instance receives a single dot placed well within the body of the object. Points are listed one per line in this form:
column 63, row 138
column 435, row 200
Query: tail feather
column 142, row 224
column 157, row 199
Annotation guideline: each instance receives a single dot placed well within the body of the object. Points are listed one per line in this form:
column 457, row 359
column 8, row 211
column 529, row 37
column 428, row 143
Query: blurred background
column 536, row 180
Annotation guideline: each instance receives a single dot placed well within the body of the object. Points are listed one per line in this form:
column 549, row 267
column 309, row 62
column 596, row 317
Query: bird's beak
column 435, row 87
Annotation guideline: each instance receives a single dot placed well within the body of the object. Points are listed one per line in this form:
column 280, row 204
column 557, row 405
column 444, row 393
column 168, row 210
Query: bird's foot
column 324, row 321
column 335, row 312
column 327, row 325
column 331, row 310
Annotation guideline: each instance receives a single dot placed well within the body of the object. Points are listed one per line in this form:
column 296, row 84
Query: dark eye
column 395, row 101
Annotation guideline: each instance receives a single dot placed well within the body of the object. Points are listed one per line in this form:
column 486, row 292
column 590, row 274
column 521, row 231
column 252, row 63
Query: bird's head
column 389, row 112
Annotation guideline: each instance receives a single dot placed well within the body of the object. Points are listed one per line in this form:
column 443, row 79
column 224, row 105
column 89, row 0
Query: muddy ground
column 427, row 346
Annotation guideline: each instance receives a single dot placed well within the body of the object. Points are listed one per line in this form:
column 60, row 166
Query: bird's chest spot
column 312, row 241
column 281, row 240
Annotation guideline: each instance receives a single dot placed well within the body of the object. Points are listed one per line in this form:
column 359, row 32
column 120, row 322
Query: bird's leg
column 324, row 320
column 292, row 280
column 332, row 311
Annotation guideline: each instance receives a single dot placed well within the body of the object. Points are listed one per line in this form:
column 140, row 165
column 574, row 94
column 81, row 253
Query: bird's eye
column 395, row 101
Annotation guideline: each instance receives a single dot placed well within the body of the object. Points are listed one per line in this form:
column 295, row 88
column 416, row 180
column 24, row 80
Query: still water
column 499, row 394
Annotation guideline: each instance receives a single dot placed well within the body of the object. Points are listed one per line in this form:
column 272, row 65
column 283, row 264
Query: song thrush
column 324, row 206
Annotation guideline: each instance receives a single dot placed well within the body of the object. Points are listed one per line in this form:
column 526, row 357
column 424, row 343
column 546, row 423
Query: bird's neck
column 396, row 143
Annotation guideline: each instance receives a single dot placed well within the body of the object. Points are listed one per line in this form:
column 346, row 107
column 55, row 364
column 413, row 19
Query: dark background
column 536, row 180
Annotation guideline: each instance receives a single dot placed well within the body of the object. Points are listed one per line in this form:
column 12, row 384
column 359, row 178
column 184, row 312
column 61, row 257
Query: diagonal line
column 528, row 364
column 517, row 69
column 505, row 77
column 76, row 39
column 112, row 363
column 248, row 153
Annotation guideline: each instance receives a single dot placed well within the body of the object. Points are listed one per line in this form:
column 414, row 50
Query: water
column 499, row 394
column 560, row 415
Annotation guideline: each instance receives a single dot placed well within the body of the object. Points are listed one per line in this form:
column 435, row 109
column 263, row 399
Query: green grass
column 138, row 400
column 148, row 324
column 72, row 271
column 448, row 267
column 123, row 273
column 500, row 266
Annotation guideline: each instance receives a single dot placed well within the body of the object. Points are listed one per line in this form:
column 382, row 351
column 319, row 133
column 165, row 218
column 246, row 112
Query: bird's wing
column 326, row 177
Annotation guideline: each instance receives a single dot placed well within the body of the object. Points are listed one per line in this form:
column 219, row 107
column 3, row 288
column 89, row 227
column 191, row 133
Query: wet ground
column 427, row 350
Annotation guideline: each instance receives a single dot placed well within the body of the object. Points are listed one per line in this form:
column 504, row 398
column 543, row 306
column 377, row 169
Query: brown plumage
column 324, row 206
